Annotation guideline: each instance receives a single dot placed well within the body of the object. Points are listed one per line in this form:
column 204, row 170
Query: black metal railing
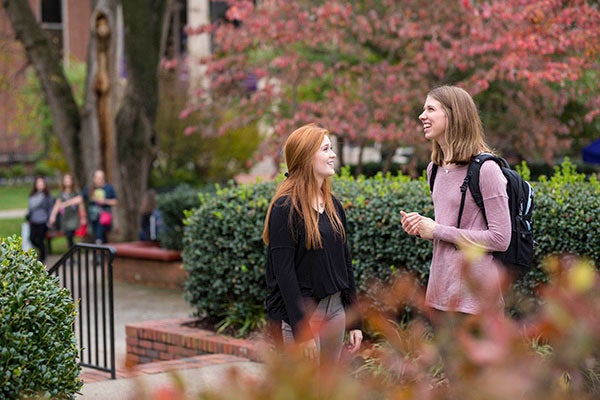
column 86, row 270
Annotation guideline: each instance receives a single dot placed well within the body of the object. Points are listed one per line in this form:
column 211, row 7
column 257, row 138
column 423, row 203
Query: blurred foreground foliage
column 553, row 353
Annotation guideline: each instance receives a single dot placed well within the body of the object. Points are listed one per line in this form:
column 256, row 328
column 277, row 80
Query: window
column 51, row 13
column 176, row 45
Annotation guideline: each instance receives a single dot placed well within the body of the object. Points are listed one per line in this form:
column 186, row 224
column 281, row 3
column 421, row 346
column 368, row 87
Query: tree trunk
column 388, row 151
column 115, row 129
column 136, row 135
column 359, row 162
column 341, row 142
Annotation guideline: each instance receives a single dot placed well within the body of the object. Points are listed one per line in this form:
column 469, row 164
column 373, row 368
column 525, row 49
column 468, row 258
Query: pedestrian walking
column 39, row 207
column 100, row 197
column 68, row 209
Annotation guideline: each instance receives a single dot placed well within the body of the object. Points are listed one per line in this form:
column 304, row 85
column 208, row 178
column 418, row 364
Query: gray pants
column 328, row 325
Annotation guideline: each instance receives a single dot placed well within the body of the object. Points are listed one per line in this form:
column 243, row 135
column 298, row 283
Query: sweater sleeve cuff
column 445, row 233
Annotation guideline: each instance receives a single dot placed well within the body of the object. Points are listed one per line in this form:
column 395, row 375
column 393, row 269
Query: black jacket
column 298, row 278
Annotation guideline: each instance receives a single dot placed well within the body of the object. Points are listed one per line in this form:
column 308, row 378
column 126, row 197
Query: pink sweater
column 454, row 286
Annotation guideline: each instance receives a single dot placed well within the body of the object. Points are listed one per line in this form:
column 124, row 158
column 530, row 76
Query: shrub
column 42, row 168
column 17, row 171
column 225, row 256
column 224, row 253
column 566, row 219
column 378, row 243
column 172, row 206
column 37, row 343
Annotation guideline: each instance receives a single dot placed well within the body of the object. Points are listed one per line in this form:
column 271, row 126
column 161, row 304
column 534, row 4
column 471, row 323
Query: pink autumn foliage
column 363, row 67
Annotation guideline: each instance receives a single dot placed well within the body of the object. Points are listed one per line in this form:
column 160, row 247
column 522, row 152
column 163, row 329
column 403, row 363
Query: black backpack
column 519, row 255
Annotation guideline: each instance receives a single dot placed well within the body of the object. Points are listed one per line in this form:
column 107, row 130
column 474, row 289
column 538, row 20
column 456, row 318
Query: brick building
column 67, row 24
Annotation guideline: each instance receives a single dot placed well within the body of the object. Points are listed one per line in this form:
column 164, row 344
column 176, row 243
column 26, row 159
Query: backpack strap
column 472, row 177
column 472, row 182
column 471, row 172
column 434, row 169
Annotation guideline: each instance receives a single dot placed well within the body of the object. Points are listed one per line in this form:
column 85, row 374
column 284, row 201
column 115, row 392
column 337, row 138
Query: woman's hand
column 309, row 349
column 355, row 338
column 416, row 224
column 410, row 222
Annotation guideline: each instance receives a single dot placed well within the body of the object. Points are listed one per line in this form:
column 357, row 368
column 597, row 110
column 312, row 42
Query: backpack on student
column 519, row 255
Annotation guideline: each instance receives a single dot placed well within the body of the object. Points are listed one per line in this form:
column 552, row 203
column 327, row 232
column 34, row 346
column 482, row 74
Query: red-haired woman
column 309, row 270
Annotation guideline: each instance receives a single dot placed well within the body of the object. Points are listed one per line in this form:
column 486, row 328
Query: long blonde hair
column 301, row 186
column 464, row 131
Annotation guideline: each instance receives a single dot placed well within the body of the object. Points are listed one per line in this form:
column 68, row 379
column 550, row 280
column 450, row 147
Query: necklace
column 320, row 203
column 320, row 206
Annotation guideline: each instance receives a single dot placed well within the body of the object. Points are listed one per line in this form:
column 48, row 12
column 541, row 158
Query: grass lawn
column 14, row 197
column 12, row 226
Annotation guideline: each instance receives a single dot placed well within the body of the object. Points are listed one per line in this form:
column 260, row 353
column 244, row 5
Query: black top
column 295, row 274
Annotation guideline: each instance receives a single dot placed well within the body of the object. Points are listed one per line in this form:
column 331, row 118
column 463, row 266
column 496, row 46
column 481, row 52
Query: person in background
column 451, row 121
column 68, row 209
column 100, row 197
column 151, row 218
column 309, row 273
column 38, row 213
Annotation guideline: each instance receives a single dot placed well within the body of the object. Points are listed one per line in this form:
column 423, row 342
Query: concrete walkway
column 135, row 303
column 211, row 376
column 6, row 214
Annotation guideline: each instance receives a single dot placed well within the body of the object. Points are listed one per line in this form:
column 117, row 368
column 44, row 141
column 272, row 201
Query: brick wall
column 151, row 341
column 78, row 26
column 12, row 64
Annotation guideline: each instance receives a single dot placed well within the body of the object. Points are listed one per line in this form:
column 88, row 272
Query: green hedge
column 38, row 349
column 172, row 206
column 225, row 257
column 567, row 217
column 224, row 254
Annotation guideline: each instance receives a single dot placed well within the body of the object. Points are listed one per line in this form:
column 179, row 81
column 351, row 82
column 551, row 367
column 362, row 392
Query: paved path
column 208, row 375
column 134, row 303
column 6, row 214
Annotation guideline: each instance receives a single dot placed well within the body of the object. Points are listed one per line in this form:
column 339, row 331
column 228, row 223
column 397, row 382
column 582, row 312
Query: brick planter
column 151, row 341
column 147, row 263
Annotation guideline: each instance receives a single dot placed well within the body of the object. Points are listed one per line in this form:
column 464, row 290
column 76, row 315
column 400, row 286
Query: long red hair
column 302, row 187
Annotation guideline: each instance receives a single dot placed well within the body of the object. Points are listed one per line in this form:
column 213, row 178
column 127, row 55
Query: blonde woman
column 451, row 121
column 309, row 268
